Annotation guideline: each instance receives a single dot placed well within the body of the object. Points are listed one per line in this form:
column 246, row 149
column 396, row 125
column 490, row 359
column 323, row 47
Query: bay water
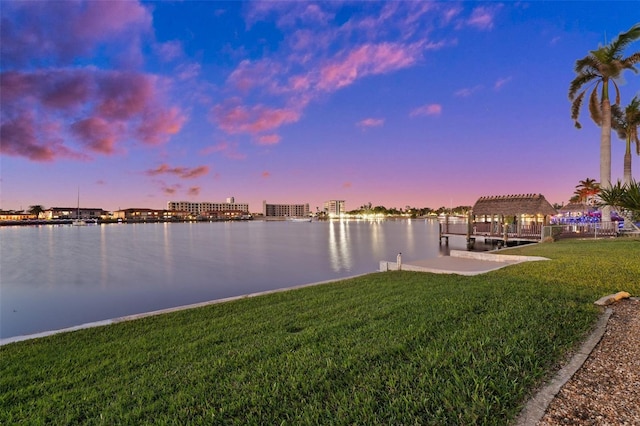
column 54, row 277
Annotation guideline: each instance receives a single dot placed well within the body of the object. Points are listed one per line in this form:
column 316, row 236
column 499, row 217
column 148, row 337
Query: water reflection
column 339, row 254
column 168, row 254
column 83, row 274
column 104, row 270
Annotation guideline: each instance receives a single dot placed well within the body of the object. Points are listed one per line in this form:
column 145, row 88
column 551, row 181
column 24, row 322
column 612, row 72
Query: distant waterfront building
column 334, row 207
column 149, row 215
column 285, row 210
column 14, row 216
column 54, row 213
column 205, row 208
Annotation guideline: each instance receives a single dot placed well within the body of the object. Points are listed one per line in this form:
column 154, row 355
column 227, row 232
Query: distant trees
column 408, row 211
column 599, row 68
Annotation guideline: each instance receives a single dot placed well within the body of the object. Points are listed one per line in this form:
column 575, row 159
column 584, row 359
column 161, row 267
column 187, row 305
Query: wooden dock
column 491, row 233
column 521, row 218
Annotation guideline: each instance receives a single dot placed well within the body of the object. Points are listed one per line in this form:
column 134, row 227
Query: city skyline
column 426, row 104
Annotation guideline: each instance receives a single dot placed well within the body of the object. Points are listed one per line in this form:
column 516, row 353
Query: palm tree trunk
column 605, row 147
column 627, row 162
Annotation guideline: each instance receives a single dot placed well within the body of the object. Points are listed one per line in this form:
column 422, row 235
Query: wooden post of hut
column 505, row 229
column 470, row 240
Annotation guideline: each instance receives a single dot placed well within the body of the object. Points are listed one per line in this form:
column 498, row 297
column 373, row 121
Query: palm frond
column 617, row 46
column 630, row 61
column 575, row 109
column 612, row 196
column 618, row 121
column 587, row 65
column 617, row 102
column 602, row 56
column 617, row 116
column 581, row 80
column 631, row 197
column 595, row 109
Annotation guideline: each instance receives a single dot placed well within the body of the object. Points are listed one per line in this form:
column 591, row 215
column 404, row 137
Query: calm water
column 54, row 277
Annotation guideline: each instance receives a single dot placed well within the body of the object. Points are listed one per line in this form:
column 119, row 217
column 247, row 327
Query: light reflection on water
column 59, row 276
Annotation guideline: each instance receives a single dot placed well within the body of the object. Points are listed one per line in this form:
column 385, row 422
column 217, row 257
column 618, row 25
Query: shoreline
column 94, row 324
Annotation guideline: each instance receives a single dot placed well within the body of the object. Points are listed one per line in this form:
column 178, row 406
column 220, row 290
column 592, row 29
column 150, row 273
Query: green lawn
column 386, row 348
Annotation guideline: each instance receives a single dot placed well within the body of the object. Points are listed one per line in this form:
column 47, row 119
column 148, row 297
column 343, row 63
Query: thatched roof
column 512, row 205
column 577, row 207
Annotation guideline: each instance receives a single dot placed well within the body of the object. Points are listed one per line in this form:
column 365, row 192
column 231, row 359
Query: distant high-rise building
column 285, row 210
column 205, row 207
column 231, row 200
column 334, row 207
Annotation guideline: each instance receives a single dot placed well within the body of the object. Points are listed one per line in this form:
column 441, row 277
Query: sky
column 422, row 104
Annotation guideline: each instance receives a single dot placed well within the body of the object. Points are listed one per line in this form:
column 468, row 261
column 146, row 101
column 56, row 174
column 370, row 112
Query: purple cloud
column 100, row 109
column 181, row 172
column 426, row 110
column 370, row 122
column 28, row 29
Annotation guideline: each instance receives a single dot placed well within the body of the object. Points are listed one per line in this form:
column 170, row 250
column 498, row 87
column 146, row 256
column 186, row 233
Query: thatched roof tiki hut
column 507, row 218
column 512, row 217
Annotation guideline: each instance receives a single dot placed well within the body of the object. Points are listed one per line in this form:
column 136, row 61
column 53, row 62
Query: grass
column 386, row 348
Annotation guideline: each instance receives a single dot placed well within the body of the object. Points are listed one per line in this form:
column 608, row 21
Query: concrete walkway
column 461, row 263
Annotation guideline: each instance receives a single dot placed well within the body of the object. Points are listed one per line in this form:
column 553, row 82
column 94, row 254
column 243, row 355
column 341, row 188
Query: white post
column 399, row 261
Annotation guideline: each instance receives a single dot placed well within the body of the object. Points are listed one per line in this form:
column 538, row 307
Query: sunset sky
column 425, row 104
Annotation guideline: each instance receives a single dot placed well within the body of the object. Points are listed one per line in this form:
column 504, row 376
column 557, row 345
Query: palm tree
column 625, row 197
column 626, row 124
column 600, row 67
column 36, row 210
column 586, row 190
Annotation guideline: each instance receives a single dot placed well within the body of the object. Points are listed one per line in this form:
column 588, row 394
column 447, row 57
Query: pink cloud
column 235, row 118
column 122, row 95
column 188, row 71
column 252, row 74
column 157, row 126
column 195, row 172
column 346, row 185
column 430, row 109
column 181, row 172
column 101, row 109
column 24, row 136
column 367, row 60
column 96, row 133
column 467, row 91
column 269, row 139
column 482, row 17
column 370, row 122
column 266, row 174
column 229, row 150
column 194, row 191
column 170, row 50
column 65, row 91
column 288, row 14
column 451, row 13
column 501, row 82
column 170, row 190
column 29, row 28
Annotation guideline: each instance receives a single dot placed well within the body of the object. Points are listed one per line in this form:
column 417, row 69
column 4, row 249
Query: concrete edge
column 537, row 406
column 393, row 266
column 133, row 317
column 494, row 257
